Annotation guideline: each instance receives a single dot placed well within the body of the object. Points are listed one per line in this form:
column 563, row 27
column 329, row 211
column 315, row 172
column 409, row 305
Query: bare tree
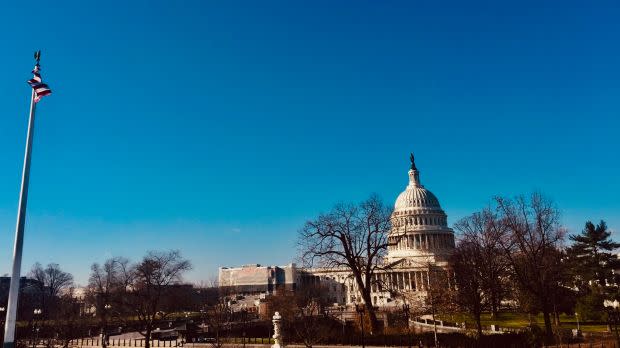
column 218, row 315
column 148, row 284
column 69, row 324
column 105, row 282
column 533, row 248
column 310, row 323
column 305, row 314
column 437, row 295
column 51, row 280
column 479, row 264
column 353, row 237
column 440, row 294
column 483, row 232
column 469, row 274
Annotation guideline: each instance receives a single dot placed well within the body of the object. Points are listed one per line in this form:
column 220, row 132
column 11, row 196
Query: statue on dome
column 412, row 162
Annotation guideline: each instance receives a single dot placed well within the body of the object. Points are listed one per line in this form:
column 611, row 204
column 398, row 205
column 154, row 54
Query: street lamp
column 359, row 308
column 37, row 312
column 2, row 313
column 577, row 317
column 104, row 327
column 406, row 313
column 613, row 315
column 244, row 317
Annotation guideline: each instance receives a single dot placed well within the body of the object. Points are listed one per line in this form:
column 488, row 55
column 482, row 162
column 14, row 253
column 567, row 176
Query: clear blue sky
column 219, row 127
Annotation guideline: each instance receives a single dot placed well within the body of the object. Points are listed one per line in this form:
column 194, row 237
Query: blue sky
column 218, row 128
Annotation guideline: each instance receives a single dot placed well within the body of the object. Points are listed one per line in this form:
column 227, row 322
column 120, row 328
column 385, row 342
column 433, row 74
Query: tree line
column 514, row 253
column 130, row 294
column 510, row 255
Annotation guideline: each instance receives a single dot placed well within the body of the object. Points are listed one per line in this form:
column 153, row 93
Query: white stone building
column 420, row 240
column 254, row 278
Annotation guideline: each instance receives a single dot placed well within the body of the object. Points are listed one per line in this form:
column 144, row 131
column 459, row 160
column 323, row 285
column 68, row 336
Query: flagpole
column 11, row 313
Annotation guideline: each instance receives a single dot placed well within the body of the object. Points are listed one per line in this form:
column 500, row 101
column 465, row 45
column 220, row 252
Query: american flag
column 40, row 88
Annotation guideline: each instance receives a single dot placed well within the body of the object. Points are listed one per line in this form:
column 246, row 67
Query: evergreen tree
column 592, row 259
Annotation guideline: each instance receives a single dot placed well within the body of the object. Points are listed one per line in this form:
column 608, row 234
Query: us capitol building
column 420, row 240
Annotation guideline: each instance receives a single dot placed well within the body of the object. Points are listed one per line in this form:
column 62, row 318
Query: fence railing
column 137, row 342
column 133, row 342
column 602, row 344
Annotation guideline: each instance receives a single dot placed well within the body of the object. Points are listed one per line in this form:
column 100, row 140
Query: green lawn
column 520, row 320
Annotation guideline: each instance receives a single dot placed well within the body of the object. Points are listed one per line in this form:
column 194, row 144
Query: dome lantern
column 414, row 174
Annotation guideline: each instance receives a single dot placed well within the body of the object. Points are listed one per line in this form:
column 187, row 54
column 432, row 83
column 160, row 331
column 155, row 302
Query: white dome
column 416, row 196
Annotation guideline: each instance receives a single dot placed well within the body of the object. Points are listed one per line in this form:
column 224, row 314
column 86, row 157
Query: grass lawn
column 520, row 320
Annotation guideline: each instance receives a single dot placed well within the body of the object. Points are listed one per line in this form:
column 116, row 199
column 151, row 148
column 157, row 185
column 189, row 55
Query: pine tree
column 592, row 259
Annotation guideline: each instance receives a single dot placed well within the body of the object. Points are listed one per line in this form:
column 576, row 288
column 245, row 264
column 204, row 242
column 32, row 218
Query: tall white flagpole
column 11, row 313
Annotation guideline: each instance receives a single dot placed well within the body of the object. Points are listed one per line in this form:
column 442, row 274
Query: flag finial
column 37, row 56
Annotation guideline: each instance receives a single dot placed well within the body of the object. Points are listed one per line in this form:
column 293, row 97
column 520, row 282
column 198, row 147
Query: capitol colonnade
column 424, row 241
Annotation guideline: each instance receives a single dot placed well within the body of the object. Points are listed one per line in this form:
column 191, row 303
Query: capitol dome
column 416, row 196
column 419, row 225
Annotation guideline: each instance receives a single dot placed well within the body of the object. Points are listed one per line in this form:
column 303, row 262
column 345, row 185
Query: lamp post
column 2, row 313
column 36, row 313
column 613, row 311
column 359, row 308
column 244, row 317
column 577, row 317
column 104, row 327
column 430, row 295
column 185, row 337
column 406, row 313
